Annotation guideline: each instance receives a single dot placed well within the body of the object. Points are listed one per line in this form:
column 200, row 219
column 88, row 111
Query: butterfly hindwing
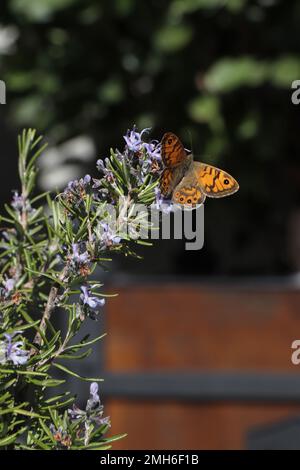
column 188, row 192
column 215, row 182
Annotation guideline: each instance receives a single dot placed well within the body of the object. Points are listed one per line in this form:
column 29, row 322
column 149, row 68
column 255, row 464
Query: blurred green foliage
column 216, row 72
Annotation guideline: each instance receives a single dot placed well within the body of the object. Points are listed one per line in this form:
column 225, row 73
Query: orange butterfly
column 190, row 182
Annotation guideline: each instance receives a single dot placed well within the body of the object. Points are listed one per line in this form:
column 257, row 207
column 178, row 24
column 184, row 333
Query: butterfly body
column 190, row 182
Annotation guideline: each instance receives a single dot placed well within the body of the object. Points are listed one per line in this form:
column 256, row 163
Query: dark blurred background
column 218, row 73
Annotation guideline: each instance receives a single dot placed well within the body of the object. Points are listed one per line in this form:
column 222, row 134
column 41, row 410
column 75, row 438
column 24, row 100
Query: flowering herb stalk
column 50, row 247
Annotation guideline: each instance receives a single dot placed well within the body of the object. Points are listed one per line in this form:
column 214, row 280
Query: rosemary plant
column 51, row 245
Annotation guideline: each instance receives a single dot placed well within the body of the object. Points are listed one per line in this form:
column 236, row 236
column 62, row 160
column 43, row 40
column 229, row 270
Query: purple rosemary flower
column 97, row 183
column 9, row 285
column 100, row 166
column 11, row 351
column 160, row 203
column 94, row 400
column 133, row 139
column 78, row 257
column 108, row 236
column 153, row 150
column 158, row 198
column 107, row 173
column 76, row 413
column 77, row 185
column 91, row 304
column 85, row 180
column 71, row 185
column 93, row 413
column 19, row 203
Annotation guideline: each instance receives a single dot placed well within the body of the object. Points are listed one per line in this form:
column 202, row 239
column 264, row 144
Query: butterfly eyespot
column 189, row 201
column 170, row 141
column 195, row 199
column 181, row 199
column 226, row 181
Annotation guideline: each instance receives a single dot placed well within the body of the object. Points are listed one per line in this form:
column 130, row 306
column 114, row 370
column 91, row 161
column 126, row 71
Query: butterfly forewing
column 172, row 150
column 215, row 182
column 166, row 182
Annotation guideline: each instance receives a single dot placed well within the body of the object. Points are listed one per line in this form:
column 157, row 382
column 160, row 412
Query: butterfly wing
column 166, row 182
column 170, row 177
column 215, row 182
column 188, row 192
column 172, row 151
